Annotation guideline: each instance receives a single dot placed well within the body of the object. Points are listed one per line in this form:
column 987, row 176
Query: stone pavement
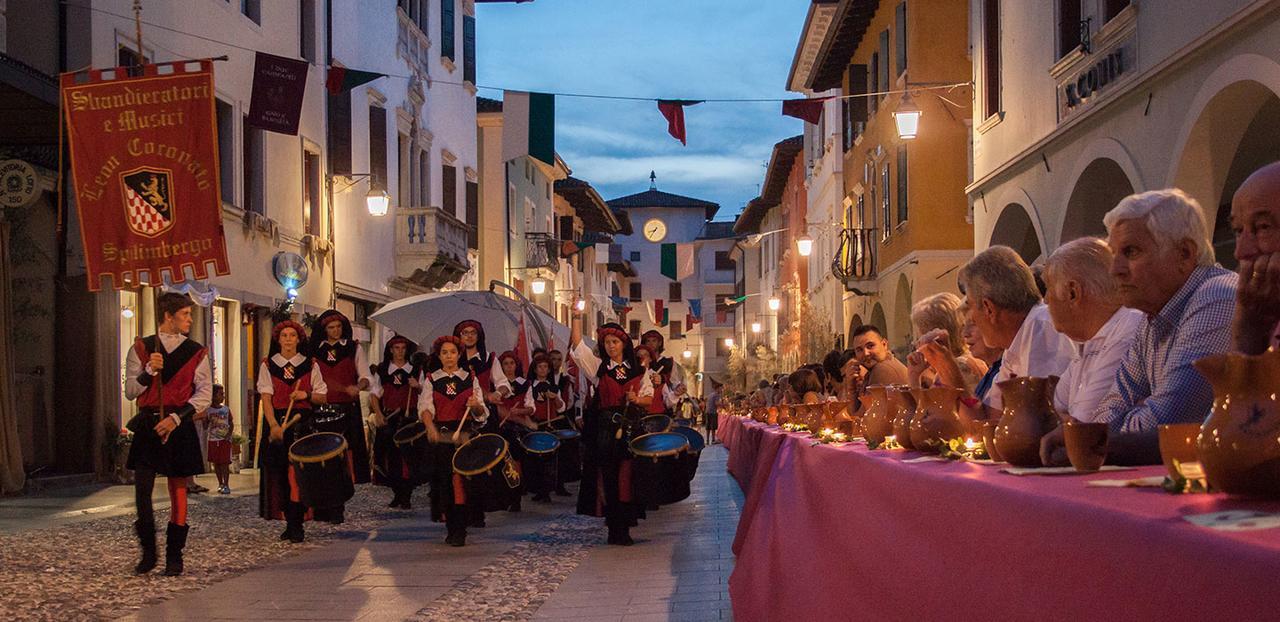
column 543, row 563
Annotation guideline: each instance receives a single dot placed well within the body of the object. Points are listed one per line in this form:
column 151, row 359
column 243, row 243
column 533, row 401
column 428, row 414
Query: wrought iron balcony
column 541, row 251
column 855, row 261
column 431, row 246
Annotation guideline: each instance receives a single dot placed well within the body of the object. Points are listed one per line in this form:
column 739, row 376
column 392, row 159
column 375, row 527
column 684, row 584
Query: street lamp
column 774, row 303
column 907, row 118
column 728, row 342
column 804, row 244
column 688, row 354
column 755, row 327
column 539, row 286
column 378, row 202
column 580, row 305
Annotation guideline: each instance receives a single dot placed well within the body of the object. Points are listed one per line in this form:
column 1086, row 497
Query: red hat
column 298, row 328
column 443, row 339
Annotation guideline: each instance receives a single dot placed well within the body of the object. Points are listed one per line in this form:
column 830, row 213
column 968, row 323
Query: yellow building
column 907, row 224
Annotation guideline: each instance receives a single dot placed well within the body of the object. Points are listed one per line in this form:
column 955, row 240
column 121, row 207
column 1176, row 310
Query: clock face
column 655, row 230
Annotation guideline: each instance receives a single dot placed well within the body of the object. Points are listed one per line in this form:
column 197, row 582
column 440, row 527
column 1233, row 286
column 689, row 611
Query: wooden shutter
column 473, row 214
column 378, row 147
column 900, row 38
column 449, row 190
column 855, row 107
column 446, row 29
column 340, row 133
column 469, row 48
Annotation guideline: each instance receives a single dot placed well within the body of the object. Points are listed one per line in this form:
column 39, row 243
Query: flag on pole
column 685, row 264
column 809, row 110
column 340, row 80
column 695, row 309
column 668, row 268
column 666, row 317
column 656, row 318
column 673, row 110
column 529, row 126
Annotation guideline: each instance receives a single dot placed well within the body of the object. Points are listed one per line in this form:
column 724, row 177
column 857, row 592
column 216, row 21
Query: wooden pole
column 137, row 29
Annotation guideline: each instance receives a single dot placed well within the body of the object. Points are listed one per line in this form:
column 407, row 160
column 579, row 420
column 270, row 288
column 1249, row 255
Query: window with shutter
column 473, row 214
column 378, row 147
column 900, row 38
column 340, row 133
column 252, row 168
column 873, row 83
column 449, row 190
column 677, row 330
column 446, row 29
column 634, row 329
column 674, row 292
column 226, row 150
column 636, row 292
column 1068, row 26
column 469, row 49
column 884, row 61
column 566, row 228
column 855, row 108
column 902, row 183
column 991, row 56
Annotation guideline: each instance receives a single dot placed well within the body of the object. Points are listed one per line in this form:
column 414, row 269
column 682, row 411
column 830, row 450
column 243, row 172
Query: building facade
column 1081, row 103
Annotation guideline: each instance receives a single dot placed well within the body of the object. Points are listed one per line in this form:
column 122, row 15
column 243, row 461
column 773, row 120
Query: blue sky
column 678, row 49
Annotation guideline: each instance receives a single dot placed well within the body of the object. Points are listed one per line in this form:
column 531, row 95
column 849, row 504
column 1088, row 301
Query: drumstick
column 288, row 411
column 466, row 413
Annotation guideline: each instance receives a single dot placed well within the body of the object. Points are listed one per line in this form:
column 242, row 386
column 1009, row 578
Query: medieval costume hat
column 410, row 348
column 614, row 329
column 662, row 341
column 321, row 334
column 510, row 354
column 303, row 347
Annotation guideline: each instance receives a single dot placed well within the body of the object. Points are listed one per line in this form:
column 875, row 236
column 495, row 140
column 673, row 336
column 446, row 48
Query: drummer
column 513, row 418
column 476, row 359
column 453, row 398
column 672, row 374
column 289, row 383
column 345, row 368
column 664, row 399
column 619, row 381
column 395, row 384
column 544, row 401
column 564, row 419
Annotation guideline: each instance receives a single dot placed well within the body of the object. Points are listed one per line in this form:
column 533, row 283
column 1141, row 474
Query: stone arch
column 1229, row 132
column 1015, row 229
column 1104, row 176
column 855, row 322
column 902, row 313
column 877, row 319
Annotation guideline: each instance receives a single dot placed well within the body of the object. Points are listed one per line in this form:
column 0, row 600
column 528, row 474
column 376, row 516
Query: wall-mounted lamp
column 804, row 245
column 377, row 201
column 907, row 118
column 126, row 313
column 774, row 303
column 688, row 354
column 728, row 342
column 538, row 287
column 755, row 327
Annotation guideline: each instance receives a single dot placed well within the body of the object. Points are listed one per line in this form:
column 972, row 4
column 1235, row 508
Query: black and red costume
column 445, row 405
column 343, row 364
column 397, row 400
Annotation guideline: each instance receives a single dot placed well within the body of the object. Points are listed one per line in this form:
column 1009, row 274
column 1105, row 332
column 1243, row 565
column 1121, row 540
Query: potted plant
column 237, row 451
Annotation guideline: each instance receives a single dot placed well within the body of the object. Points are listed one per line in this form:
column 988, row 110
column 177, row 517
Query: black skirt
column 179, row 456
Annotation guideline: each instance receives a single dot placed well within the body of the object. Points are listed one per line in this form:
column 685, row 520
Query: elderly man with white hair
column 1164, row 266
column 1084, row 303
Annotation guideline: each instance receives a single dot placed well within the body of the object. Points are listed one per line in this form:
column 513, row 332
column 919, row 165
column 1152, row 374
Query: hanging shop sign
column 19, row 185
column 145, row 165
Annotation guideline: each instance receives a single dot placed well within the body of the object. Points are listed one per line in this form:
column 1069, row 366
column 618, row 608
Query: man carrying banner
column 169, row 377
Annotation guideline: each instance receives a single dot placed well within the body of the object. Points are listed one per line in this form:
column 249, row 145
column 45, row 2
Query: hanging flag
column 153, row 214
column 668, row 254
column 279, row 84
column 522, row 345
column 340, row 80
column 656, row 317
column 529, row 126
column 734, row 301
column 673, row 110
column 695, row 308
column 685, row 264
column 602, row 253
column 809, row 110
column 666, row 317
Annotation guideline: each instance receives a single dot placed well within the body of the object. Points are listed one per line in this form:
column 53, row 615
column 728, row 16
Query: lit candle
column 840, row 437
column 970, row 444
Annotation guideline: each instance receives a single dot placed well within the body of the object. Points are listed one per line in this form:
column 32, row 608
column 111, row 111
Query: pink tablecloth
column 839, row 533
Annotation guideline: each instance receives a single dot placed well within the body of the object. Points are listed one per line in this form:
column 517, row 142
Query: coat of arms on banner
column 148, row 199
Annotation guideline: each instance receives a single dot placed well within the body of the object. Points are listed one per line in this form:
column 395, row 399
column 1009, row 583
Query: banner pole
column 137, row 29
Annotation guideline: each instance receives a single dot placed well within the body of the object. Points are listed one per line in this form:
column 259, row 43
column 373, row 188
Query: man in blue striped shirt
column 1164, row 267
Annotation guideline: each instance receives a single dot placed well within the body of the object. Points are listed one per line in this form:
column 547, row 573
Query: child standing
column 220, row 428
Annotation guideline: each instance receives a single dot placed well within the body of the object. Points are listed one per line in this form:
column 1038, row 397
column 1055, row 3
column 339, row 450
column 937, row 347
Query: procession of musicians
column 473, row 426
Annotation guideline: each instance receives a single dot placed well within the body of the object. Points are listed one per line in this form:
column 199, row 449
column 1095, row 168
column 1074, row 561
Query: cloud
column 671, row 169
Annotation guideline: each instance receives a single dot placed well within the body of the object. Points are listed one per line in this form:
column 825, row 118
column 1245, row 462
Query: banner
column 340, row 80
column 668, row 264
column 144, row 159
column 685, row 264
column 529, row 126
column 279, row 84
column 602, row 253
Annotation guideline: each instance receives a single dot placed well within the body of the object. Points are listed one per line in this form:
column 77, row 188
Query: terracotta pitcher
column 1239, row 444
column 877, row 420
column 904, row 409
column 936, row 420
column 1028, row 415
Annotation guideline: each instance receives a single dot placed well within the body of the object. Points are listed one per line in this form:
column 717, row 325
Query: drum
column 540, row 443
column 329, row 418
column 569, row 457
column 488, row 471
column 654, row 424
column 320, row 462
column 689, row 461
column 539, row 461
column 656, row 476
column 411, row 441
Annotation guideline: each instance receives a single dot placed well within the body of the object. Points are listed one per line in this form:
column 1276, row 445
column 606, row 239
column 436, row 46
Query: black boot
column 456, row 526
column 175, row 538
column 146, row 531
column 294, row 513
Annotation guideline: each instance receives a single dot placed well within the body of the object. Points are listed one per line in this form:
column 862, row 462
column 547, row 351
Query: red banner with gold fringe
column 145, row 165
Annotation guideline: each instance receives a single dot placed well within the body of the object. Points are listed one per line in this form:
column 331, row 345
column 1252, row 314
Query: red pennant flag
column 657, row 311
column 522, row 346
column 673, row 110
column 809, row 110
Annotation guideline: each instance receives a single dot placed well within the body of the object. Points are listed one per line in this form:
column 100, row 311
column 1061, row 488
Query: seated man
column 1004, row 303
column 1164, row 265
column 1255, row 218
column 873, row 352
column 1085, row 306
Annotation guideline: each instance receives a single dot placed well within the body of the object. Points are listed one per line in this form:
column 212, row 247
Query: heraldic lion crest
column 148, row 199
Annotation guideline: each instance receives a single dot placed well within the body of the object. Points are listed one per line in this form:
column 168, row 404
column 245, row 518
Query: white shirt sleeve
column 1037, row 350
column 669, row 397
column 375, row 386
column 677, row 373
column 528, row 398
column 317, row 380
column 264, row 385
column 133, row 369
column 203, row 394
column 587, row 360
column 499, row 379
column 362, row 366
column 646, row 385
column 483, row 415
column 426, row 403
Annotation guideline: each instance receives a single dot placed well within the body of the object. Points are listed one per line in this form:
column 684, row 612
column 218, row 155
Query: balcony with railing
column 541, row 251
column 431, row 246
column 855, row 261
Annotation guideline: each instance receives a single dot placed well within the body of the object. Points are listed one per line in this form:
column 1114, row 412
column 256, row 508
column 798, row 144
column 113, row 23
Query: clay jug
column 877, row 420
column 936, row 420
column 1027, row 416
column 904, row 409
column 837, row 416
column 1239, row 444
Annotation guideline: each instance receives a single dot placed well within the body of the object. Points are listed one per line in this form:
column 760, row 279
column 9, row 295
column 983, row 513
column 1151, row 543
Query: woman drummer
column 513, row 418
column 450, row 398
column 395, row 382
column 289, row 383
column 664, row 399
column 544, row 402
column 619, row 382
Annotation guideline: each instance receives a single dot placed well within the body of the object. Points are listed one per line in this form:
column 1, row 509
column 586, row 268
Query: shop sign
column 289, row 269
column 1103, row 70
column 18, row 184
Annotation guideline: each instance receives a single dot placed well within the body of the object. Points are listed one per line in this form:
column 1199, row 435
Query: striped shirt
column 1156, row 383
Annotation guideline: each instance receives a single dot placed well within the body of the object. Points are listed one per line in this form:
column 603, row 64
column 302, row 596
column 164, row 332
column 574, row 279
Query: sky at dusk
column 673, row 49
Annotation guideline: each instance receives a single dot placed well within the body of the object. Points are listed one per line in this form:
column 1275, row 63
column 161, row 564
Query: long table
column 840, row 532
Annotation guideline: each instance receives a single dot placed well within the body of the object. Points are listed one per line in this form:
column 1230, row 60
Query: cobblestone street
column 544, row 563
